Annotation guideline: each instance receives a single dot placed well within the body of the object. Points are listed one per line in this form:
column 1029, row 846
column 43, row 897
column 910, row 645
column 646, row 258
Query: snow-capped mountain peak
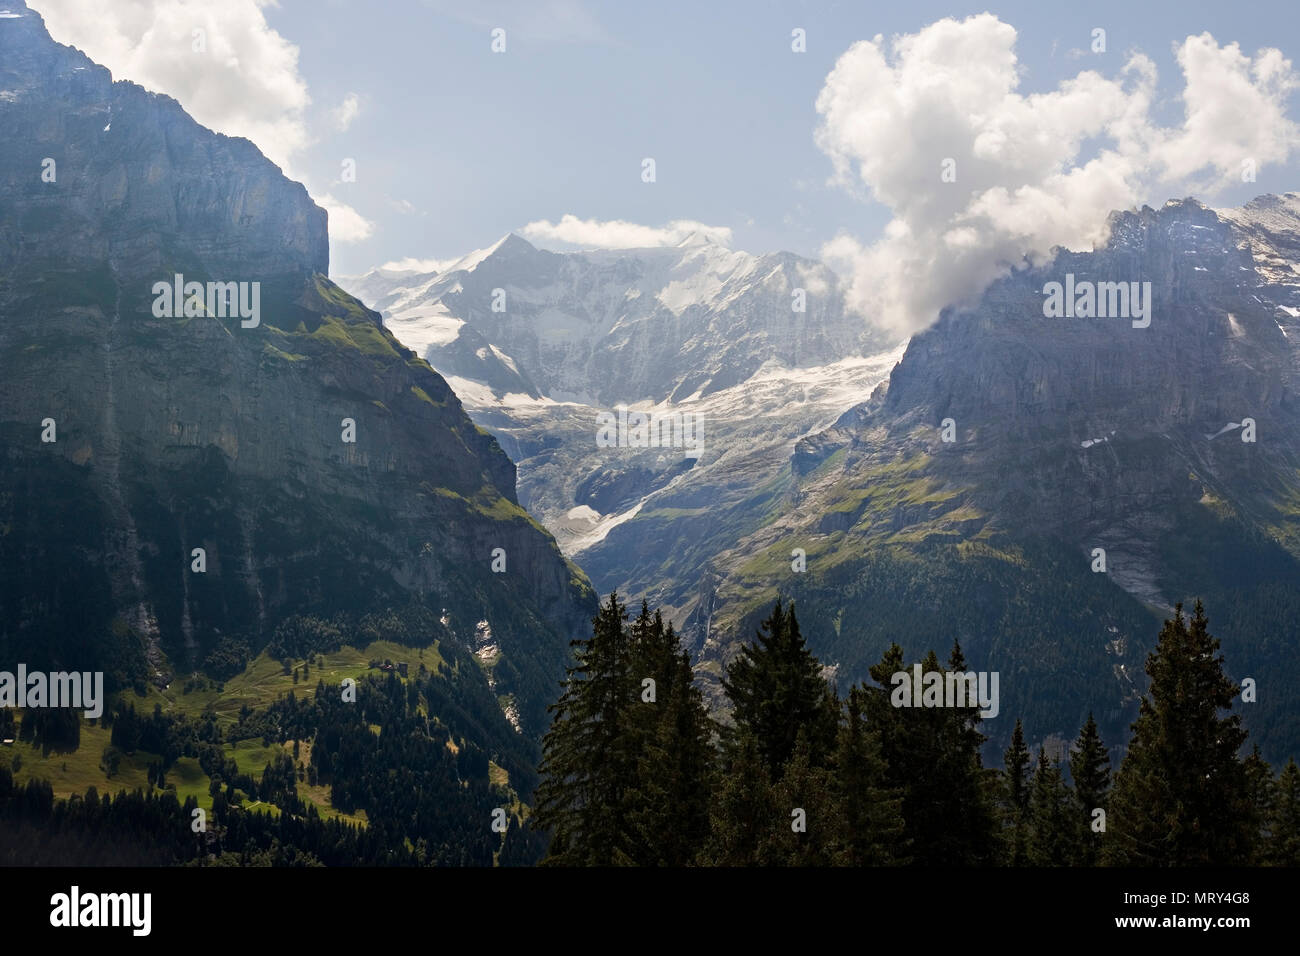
column 619, row 325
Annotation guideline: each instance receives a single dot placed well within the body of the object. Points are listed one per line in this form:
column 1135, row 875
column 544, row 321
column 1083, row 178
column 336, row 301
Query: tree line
column 634, row 770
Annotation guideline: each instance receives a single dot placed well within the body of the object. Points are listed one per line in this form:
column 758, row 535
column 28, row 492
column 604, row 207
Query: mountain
column 1173, row 447
column 740, row 353
column 618, row 326
column 325, row 470
column 1069, row 435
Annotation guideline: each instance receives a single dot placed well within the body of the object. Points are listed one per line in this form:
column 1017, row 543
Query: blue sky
column 481, row 143
column 455, row 145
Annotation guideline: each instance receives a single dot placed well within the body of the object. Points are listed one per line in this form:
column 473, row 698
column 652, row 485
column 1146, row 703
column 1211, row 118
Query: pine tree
column 1015, row 798
column 808, row 826
column 1090, row 771
column 744, row 810
column 1263, row 794
column 668, row 803
column 873, row 830
column 1284, row 847
column 776, row 690
column 1015, row 763
column 932, row 756
column 1182, row 797
column 778, row 698
column 1052, row 820
column 587, row 760
column 975, row 784
column 648, row 655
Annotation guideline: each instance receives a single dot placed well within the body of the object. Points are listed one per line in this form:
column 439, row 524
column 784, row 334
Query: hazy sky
column 455, row 145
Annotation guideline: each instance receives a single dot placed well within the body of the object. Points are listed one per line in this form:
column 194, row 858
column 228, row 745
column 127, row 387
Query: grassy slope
column 260, row 685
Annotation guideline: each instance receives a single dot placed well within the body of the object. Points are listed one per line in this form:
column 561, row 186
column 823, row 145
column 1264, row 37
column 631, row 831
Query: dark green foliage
column 416, row 793
column 299, row 635
column 153, row 829
column 523, row 846
column 777, row 691
column 744, row 812
column 668, row 806
column 1090, row 772
column 829, row 802
column 628, row 762
column 587, row 763
column 1015, row 770
column 228, row 658
column 1053, row 834
column 1263, row 796
column 807, row 828
column 1039, row 608
column 873, row 833
column 780, row 804
column 1015, row 798
column 53, row 728
column 1285, row 847
column 933, row 759
column 1182, row 796
column 1250, row 581
column 406, row 779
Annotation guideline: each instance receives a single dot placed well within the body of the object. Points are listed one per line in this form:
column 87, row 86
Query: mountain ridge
column 1068, row 435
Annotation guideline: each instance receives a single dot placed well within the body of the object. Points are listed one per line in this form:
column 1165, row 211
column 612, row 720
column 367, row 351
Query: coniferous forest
column 636, row 771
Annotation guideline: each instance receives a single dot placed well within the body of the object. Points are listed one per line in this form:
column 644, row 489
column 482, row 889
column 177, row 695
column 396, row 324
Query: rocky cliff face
column 134, row 174
column 319, row 464
column 1068, row 435
column 1072, row 394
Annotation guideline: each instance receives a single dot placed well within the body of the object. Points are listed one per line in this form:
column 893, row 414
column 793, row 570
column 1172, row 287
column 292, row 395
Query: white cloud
column 346, row 112
column 618, row 234
column 813, row 278
column 1235, row 108
column 244, row 82
column 346, row 224
column 417, row 265
column 1033, row 171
